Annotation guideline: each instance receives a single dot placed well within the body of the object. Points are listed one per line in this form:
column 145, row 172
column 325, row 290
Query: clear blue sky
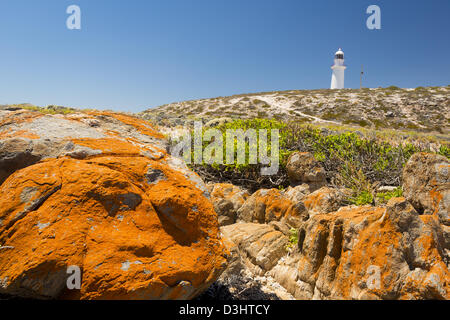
column 135, row 54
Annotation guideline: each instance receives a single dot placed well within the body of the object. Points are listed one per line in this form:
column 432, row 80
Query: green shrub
column 293, row 239
column 51, row 109
column 444, row 150
column 393, row 88
column 384, row 197
column 365, row 197
column 351, row 159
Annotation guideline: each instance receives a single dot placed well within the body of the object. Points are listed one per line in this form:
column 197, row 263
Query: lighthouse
column 337, row 78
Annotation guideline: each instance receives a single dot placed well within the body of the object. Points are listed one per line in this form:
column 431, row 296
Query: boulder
column 259, row 245
column 297, row 193
column 266, row 205
column 325, row 200
column 97, row 192
column 426, row 184
column 302, row 167
column 227, row 200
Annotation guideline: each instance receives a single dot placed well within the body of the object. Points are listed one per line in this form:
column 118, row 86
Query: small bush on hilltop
column 51, row 109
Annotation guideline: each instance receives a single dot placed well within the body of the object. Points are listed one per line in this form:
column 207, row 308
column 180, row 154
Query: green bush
column 51, row 109
column 365, row 197
column 393, row 88
column 293, row 239
column 350, row 159
column 384, row 197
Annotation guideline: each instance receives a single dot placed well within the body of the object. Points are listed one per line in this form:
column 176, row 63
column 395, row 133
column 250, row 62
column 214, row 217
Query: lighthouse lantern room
column 337, row 78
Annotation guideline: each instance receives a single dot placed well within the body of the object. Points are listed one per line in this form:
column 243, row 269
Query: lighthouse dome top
column 339, row 54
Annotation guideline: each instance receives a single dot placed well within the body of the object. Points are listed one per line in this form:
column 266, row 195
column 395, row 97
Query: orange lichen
column 141, row 125
column 109, row 145
column 228, row 191
column 18, row 134
column 313, row 200
column 350, row 247
column 20, row 116
column 132, row 238
column 436, row 198
column 276, row 206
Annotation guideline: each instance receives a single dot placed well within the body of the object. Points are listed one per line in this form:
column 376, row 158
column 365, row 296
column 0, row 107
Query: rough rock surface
column 325, row 200
column 302, row 167
column 364, row 252
column 259, row 245
column 426, row 184
column 267, row 205
column 372, row 253
column 99, row 191
column 227, row 200
column 297, row 193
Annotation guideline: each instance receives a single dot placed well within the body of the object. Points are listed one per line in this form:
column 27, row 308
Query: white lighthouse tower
column 337, row 78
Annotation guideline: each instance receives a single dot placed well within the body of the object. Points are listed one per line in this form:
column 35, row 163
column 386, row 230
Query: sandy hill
column 420, row 109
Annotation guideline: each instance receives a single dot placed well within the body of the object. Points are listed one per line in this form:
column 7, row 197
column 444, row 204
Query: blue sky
column 135, row 54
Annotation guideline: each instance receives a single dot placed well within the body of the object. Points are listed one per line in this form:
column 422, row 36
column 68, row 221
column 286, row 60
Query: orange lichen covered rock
column 267, row 205
column 302, row 167
column 227, row 200
column 133, row 219
column 373, row 253
column 325, row 200
column 426, row 184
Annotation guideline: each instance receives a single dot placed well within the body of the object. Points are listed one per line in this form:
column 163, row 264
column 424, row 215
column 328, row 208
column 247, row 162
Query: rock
column 267, row 205
column 426, row 184
column 239, row 283
column 297, row 193
column 259, row 245
column 135, row 221
column 302, row 167
column 227, row 200
column 325, row 200
column 286, row 274
column 372, row 253
column 27, row 137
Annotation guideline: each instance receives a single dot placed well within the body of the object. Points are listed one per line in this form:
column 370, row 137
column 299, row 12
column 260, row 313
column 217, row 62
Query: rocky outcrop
column 227, row 200
column 302, row 167
column 325, row 200
column 426, row 184
column 364, row 252
column 372, row 253
column 98, row 191
column 395, row 251
column 267, row 205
